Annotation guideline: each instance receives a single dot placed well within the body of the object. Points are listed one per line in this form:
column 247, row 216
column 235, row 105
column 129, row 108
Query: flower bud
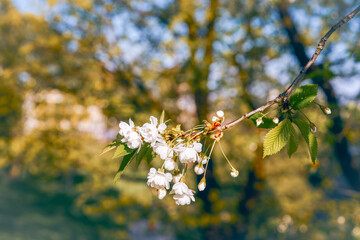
column 204, row 161
column 202, row 184
column 259, row 121
column 198, row 169
column 220, row 113
column 161, row 193
column 313, row 128
column 326, row 110
column 234, row 173
column 214, row 118
column 276, row 120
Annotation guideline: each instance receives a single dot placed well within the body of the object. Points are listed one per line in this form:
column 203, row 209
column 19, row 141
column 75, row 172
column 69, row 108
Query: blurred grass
column 28, row 213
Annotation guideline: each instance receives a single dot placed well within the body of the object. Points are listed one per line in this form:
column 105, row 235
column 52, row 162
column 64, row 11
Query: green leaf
column 313, row 147
column 126, row 160
column 162, row 117
column 142, row 153
column 277, row 138
column 304, row 128
column 267, row 122
column 309, row 137
column 293, row 141
column 303, row 96
column 112, row 145
column 150, row 155
column 121, row 151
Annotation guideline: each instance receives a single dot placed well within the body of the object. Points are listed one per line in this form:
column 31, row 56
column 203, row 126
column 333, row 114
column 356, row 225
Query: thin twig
column 283, row 97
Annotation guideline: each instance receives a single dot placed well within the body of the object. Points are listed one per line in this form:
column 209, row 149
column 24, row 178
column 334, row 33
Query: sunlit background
column 70, row 70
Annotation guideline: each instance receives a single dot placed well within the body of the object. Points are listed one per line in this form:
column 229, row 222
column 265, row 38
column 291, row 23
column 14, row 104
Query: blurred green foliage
column 69, row 74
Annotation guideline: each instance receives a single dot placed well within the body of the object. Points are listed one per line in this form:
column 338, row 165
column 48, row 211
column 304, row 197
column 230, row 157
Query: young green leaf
column 126, row 160
column 304, row 128
column 303, row 96
column 121, row 151
column 142, row 153
column 162, row 117
column 293, row 141
column 277, row 138
column 266, row 122
column 108, row 148
column 150, row 155
column 313, row 147
column 112, row 145
column 309, row 137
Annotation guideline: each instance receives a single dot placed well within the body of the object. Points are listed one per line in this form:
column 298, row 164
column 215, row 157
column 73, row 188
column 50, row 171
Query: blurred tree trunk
column 341, row 145
column 256, row 173
column 200, row 73
column 199, row 83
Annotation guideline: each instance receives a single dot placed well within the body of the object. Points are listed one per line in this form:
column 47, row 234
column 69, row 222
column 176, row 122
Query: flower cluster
column 179, row 151
column 135, row 136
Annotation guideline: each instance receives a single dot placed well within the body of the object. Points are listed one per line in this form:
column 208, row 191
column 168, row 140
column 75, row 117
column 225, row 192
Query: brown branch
column 283, row 97
column 341, row 145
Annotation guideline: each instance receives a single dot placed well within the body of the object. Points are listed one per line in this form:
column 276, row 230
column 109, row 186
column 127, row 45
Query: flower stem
column 212, row 148
column 305, row 116
column 226, row 156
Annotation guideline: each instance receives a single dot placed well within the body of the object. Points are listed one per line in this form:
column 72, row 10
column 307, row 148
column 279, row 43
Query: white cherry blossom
column 179, row 188
column 163, row 150
column 183, row 195
column 151, row 132
column 189, row 153
column 170, row 164
column 125, row 128
column 184, row 199
column 133, row 140
column 159, row 179
column 130, row 136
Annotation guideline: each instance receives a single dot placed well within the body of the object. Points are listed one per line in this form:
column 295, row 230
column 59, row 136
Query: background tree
column 73, row 70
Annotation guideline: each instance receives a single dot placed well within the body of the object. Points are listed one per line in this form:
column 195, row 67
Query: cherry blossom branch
column 283, row 97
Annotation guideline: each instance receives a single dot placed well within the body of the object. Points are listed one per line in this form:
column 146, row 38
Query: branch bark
column 341, row 146
column 283, row 97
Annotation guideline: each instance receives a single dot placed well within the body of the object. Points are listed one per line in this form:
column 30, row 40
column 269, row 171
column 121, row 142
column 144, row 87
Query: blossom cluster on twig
column 179, row 150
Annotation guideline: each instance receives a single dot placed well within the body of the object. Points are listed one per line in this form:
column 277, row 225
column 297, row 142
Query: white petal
column 131, row 123
column 153, row 120
column 161, row 193
column 162, row 127
column 170, row 164
column 177, row 178
column 220, row 113
column 197, row 146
